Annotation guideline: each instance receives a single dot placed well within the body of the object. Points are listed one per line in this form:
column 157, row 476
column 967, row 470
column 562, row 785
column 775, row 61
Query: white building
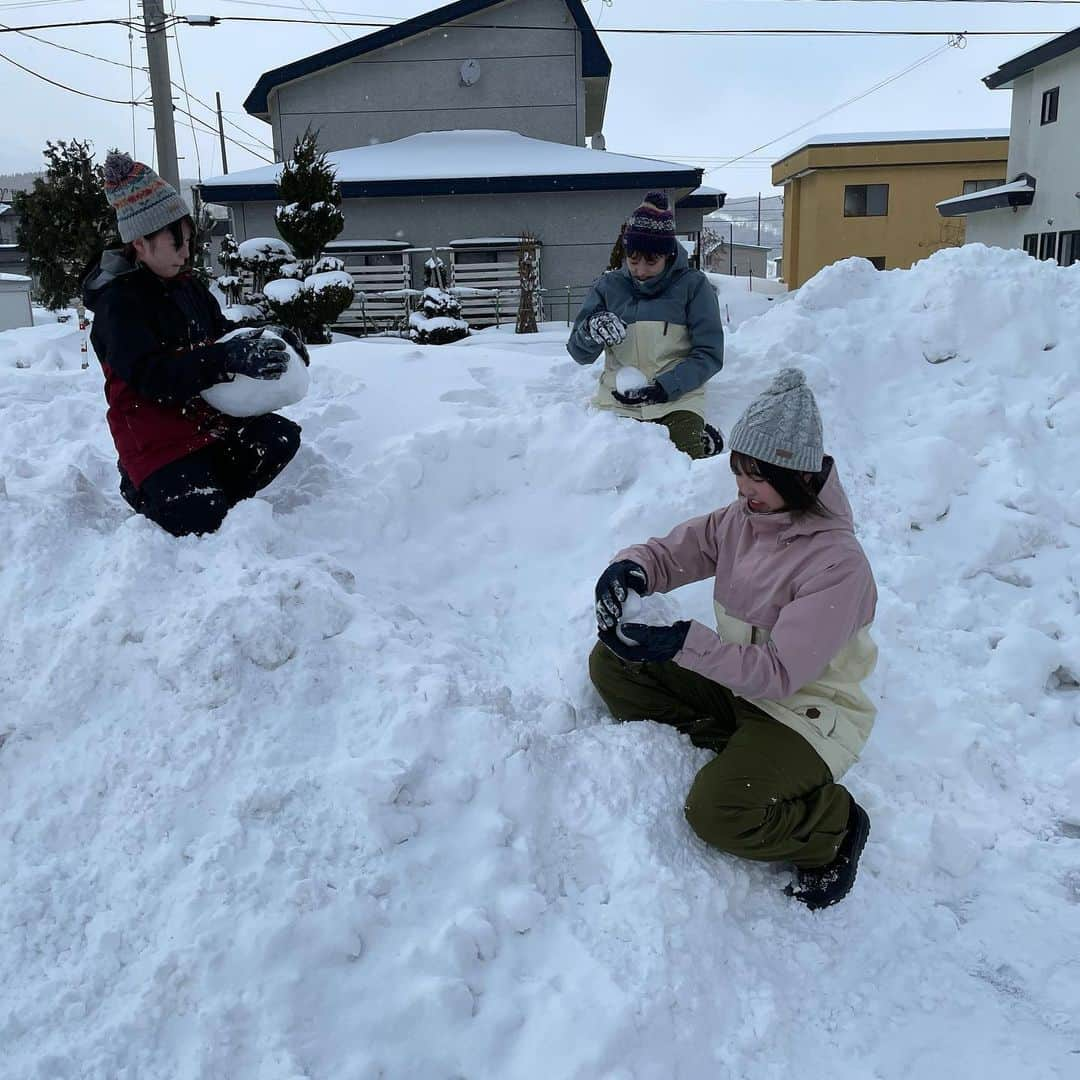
column 1039, row 208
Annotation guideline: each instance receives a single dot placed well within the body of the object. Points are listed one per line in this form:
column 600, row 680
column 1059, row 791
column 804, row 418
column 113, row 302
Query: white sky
column 703, row 99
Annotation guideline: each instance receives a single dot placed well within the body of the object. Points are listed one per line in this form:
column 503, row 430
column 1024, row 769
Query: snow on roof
column 445, row 155
column 14, row 277
column 1023, row 184
column 4, row 208
column 860, row 137
column 468, row 241
column 381, row 245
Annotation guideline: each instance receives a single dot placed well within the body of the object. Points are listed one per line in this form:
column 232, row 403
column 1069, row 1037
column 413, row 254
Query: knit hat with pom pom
column 782, row 426
column 143, row 201
column 651, row 227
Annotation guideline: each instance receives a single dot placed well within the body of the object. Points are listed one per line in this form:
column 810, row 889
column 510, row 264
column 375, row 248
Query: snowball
column 245, row 396
column 630, row 378
column 650, row 610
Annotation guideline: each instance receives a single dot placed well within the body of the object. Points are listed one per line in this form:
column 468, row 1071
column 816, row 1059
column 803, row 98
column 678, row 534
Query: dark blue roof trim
column 595, row 62
column 1030, row 60
column 471, row 185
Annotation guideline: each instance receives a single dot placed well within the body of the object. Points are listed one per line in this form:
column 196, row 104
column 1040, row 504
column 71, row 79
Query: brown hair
column 800, row 495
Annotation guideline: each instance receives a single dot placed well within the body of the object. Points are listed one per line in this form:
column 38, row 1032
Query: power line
column 64, row 86
column 858, row 97
column 670, row 32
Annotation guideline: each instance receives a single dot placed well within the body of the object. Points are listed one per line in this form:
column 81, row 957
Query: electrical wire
column 64, row 86
column 850, row 101
column 183, row 83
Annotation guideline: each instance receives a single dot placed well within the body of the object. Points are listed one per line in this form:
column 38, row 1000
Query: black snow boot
column 713, row 440
column 129, row 491
column 822, row 886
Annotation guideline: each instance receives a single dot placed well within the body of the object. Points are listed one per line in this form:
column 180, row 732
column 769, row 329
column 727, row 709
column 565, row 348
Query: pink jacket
column 794, row 599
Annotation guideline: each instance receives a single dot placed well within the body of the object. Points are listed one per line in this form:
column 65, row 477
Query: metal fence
column 372, row 312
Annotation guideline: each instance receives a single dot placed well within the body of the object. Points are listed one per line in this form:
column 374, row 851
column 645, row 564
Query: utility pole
column 157, row 56
column 759, row 218
column 221, row 134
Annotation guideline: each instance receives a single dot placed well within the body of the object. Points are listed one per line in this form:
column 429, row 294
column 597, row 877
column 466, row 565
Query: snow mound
column 278, row 798
column 244, row 396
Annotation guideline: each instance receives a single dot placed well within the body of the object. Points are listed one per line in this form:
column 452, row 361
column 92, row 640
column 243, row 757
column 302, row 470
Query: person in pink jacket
column 775, row 690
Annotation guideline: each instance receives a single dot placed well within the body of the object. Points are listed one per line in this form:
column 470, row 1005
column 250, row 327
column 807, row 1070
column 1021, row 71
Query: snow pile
column 279, row 799
column 244, row 396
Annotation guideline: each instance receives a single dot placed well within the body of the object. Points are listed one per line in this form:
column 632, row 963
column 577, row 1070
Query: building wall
column 816, row 232
column 577, row 230
column 1050, row 153
column 529, row 82
column 741, row 261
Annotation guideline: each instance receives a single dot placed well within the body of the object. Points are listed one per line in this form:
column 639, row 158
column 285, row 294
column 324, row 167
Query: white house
column 1038, row 209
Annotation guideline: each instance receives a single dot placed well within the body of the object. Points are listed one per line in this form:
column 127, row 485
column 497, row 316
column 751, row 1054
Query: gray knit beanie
column 143, row 201
column 782, row 426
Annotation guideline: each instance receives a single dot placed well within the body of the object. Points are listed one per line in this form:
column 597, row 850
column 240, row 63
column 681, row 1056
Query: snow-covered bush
column 438, row 321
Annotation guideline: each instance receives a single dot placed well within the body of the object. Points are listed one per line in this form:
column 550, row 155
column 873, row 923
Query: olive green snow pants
column 687, row 431
column 767, row 795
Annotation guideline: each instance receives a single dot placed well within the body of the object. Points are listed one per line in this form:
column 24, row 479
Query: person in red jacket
column 182, row 463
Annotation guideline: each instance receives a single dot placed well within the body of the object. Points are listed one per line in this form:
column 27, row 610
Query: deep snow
column 328, row 795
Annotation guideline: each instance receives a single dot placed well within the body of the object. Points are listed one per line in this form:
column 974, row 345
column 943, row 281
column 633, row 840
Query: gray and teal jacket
column 675, row 335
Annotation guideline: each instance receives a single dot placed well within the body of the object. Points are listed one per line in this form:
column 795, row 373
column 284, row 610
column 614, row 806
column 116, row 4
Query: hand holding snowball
column 267, row 374
column 254, row 354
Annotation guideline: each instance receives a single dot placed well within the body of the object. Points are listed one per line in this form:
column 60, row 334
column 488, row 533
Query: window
column 1031, row 244
column 971, row 186
column 1050, row 105
column 1048, row 245
column 866, row 200
column 464, row 256
column 876, row 261
column 1069, row 248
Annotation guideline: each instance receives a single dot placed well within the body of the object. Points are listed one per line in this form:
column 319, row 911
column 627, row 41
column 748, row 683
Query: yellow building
column 877, row 195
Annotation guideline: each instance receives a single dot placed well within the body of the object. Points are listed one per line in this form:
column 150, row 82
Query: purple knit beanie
column 651, row 228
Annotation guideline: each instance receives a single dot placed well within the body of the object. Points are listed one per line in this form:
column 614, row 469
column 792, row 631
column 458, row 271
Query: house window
column 1031, row 244
column 866, row 200
column 1048, row 245
column 475, row 256
column 1069, row 248
column 876, row 261
column 1050, row 105
column 971, row 186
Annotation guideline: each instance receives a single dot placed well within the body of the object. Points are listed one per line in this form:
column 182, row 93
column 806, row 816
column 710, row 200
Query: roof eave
column 469, row 185
column 1007, row 74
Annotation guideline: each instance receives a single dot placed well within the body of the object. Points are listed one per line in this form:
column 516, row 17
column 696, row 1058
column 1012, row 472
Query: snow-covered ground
column 327, row 795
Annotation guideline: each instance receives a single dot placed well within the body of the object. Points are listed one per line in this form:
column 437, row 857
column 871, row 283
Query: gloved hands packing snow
column 605, row 328
column 257, row 355
column 612, row 589
column 268, row 373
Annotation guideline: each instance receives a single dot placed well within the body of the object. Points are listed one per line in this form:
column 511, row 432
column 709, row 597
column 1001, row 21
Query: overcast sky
column 699, row 99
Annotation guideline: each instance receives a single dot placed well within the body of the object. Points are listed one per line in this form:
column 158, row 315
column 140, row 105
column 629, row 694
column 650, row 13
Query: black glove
column 652, row 644
column 292, row 339
column 256, row 356
column 605, row 328
column 611, row 589
column 653, row 394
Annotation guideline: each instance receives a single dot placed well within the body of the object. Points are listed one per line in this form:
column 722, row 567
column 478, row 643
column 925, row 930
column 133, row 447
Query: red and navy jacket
column 155, row 341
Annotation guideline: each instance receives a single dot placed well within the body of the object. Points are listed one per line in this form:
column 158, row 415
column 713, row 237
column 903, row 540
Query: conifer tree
column 311, row 216
column 64, row 221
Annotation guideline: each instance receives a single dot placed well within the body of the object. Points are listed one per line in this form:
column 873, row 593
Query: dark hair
column 800, row 495
column 175, row 227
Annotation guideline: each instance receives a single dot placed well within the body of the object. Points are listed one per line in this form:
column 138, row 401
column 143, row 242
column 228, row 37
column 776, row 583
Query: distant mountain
column 739, row 220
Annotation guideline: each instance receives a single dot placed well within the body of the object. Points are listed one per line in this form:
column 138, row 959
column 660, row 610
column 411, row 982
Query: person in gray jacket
column 657, row 315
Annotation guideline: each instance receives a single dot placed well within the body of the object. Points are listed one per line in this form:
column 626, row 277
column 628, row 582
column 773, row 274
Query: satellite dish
column 470, row 72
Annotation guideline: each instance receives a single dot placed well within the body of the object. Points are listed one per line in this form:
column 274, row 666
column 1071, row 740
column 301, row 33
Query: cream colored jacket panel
column 833, row 712
column 652, row 348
